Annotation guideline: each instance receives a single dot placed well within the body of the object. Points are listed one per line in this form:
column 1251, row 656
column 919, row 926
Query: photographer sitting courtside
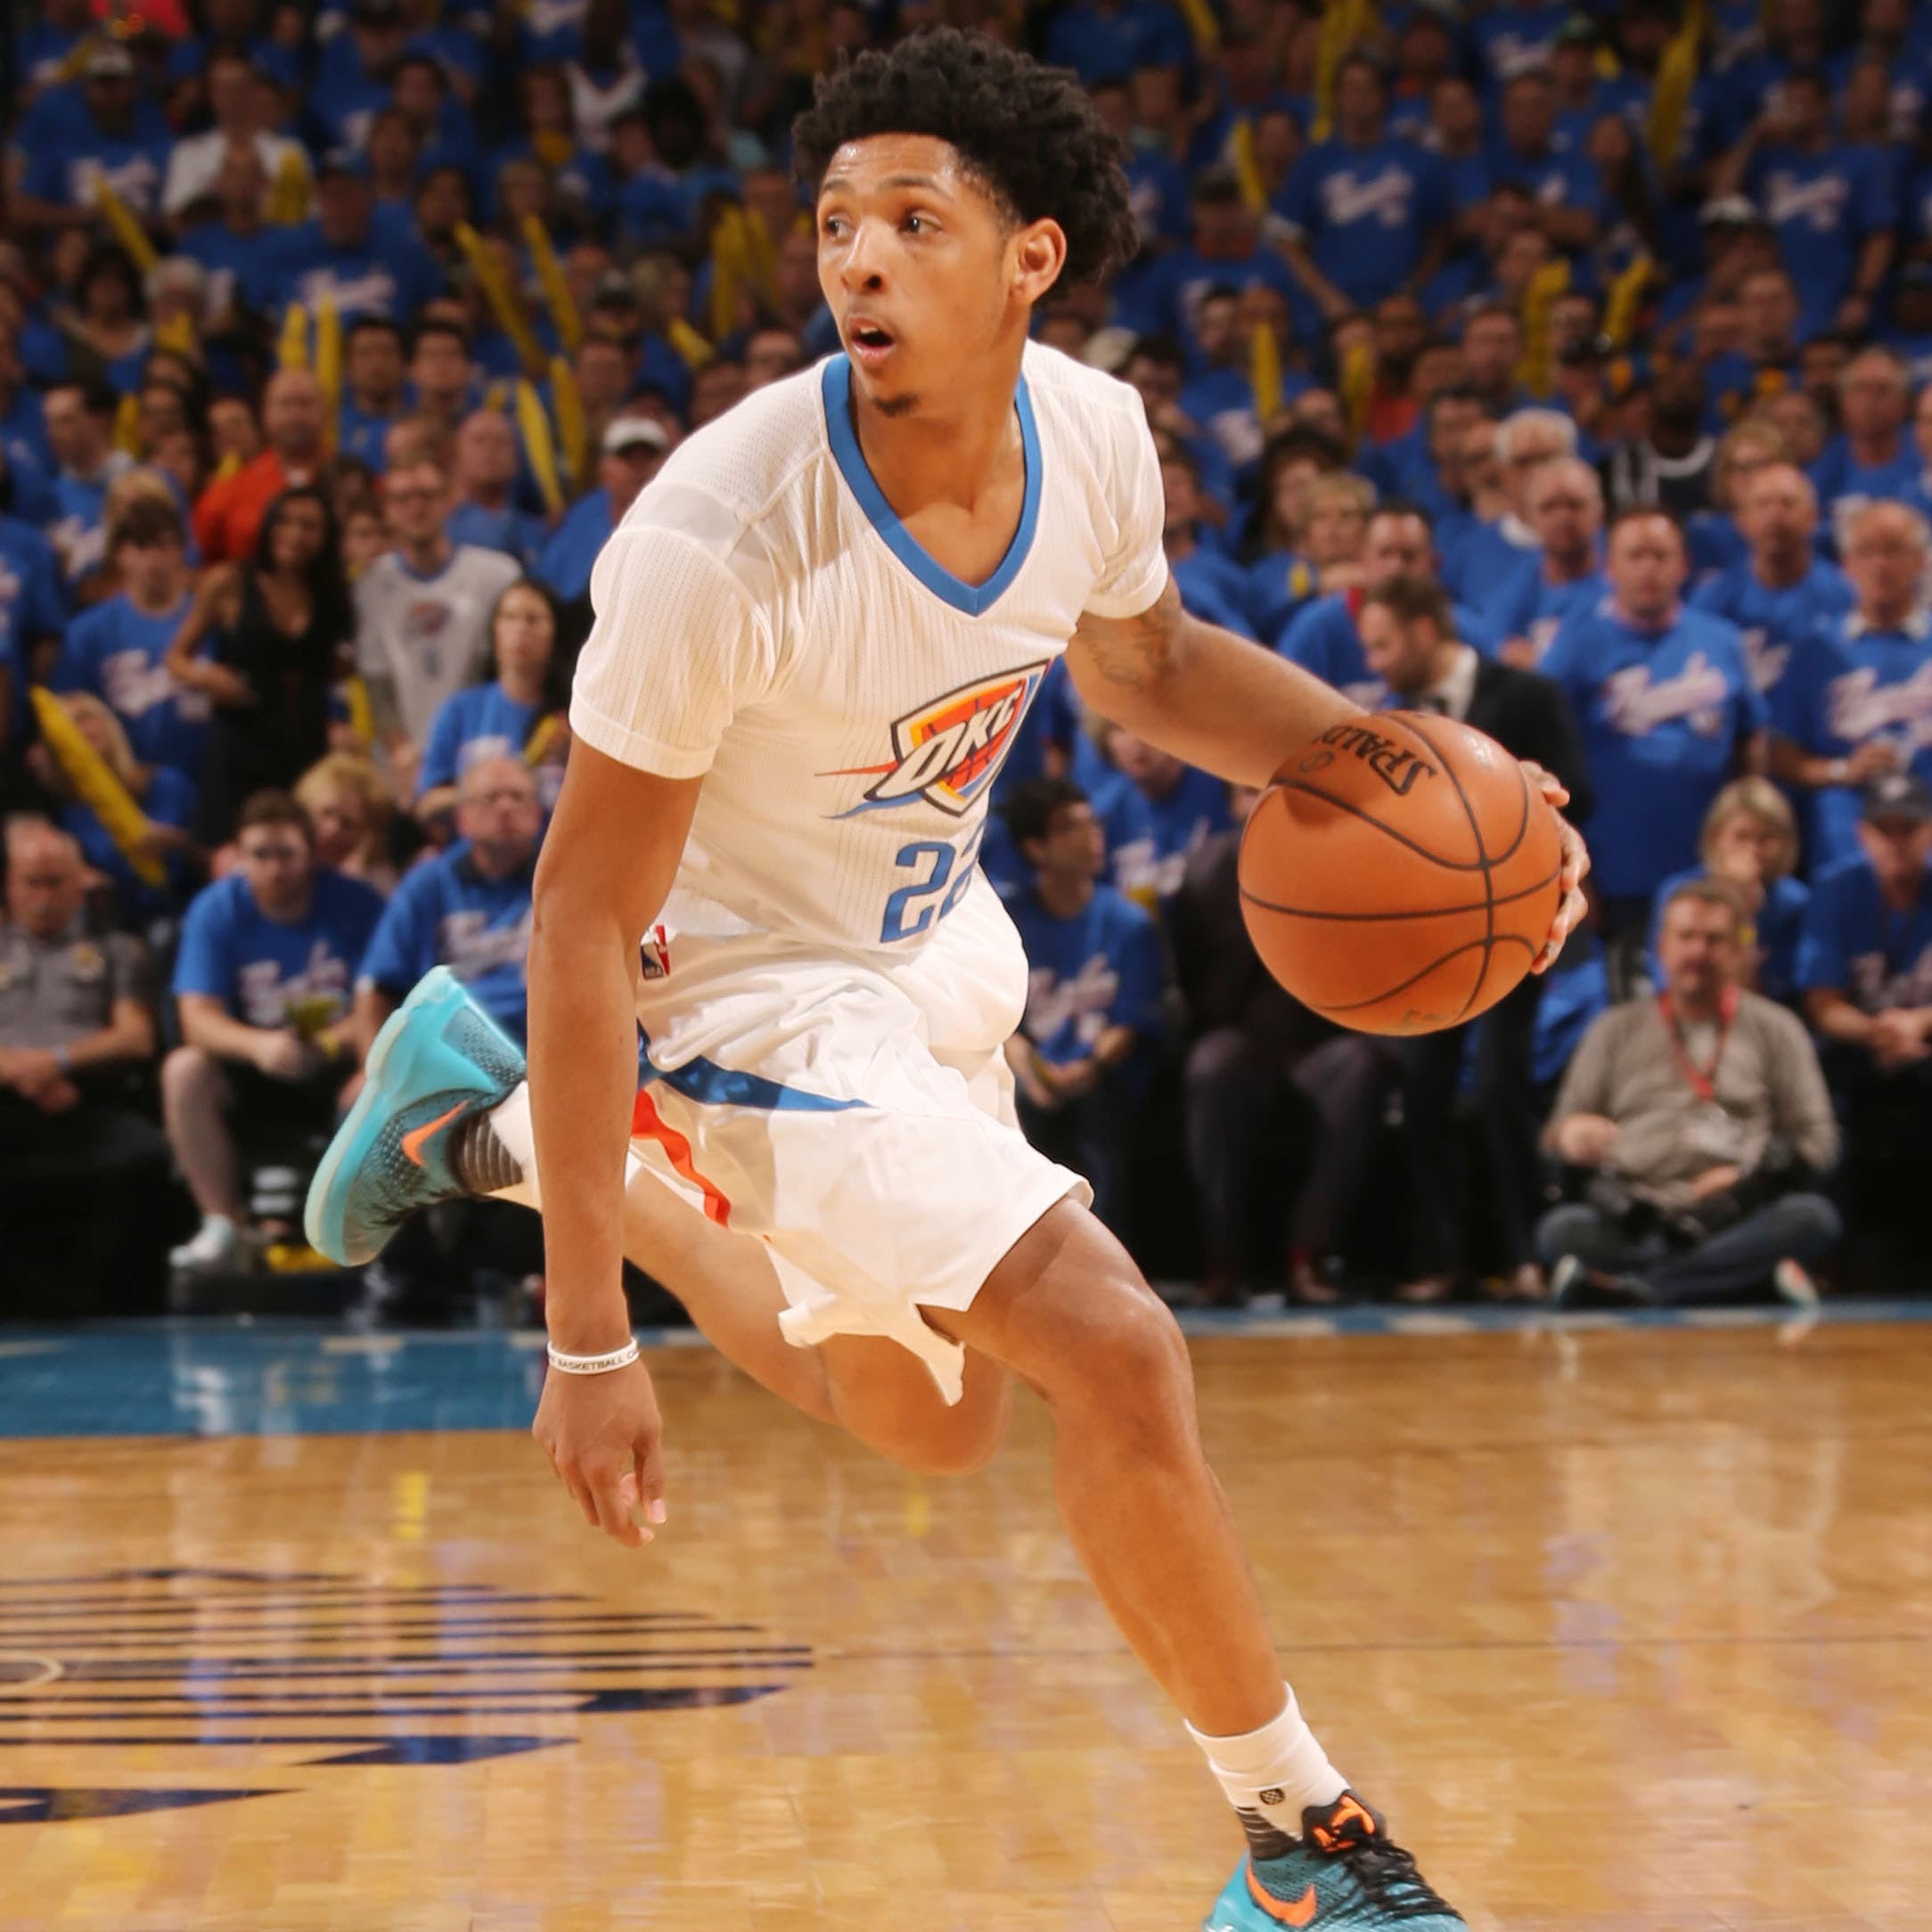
column 1702, row 1119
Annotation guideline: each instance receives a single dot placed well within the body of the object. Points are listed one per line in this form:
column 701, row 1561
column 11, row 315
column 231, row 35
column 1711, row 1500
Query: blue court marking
column 973, row 599
column 271, row 1377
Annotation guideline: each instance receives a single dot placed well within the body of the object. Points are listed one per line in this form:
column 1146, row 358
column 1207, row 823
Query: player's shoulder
column 743, row 488
column 1067, row 382
column 724, row 478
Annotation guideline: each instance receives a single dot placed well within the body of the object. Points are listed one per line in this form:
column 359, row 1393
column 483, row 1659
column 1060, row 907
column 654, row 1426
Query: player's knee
column 1130, row 1358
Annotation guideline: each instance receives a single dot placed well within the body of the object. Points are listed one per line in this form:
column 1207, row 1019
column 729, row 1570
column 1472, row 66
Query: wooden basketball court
column 1625, row 1625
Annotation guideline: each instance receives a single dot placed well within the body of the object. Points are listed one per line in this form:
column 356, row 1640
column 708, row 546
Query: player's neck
column 950, row 451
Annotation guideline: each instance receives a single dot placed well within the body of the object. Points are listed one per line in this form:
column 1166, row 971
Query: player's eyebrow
column 843, row 185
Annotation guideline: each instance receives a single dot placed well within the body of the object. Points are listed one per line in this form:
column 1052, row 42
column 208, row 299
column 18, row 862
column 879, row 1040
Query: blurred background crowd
column 1564, row 368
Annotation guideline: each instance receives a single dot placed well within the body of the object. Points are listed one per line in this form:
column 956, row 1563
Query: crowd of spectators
column 1565, row 370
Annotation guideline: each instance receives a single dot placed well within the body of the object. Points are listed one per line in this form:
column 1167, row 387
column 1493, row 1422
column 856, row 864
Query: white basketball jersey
column 764, row 618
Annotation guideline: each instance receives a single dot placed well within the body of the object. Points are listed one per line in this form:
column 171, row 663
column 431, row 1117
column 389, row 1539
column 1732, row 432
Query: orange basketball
column 1400, row 875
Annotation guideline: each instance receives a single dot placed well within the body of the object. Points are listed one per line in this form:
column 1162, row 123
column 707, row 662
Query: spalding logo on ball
column 1401, row 874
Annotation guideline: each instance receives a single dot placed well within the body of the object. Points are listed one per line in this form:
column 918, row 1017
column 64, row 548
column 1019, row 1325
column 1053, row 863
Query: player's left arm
column 1207, row 696
column 1214, row 700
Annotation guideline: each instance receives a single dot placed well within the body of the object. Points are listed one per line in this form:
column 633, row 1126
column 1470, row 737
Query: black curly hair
column 1028, row 133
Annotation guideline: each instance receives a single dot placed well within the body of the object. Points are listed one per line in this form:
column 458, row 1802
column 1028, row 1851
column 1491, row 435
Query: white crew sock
column 510, row 1121
column 1276, row 1770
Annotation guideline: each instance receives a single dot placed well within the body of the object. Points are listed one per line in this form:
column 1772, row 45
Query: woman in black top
column 280, row 622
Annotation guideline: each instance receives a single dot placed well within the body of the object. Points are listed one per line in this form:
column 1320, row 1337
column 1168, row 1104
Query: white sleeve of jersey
column 1135, row 572
column 677, row 650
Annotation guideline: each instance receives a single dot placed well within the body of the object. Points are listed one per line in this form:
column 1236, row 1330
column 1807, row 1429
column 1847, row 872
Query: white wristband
column 619, row 1358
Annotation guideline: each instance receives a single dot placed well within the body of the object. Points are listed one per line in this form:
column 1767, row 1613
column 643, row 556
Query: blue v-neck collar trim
column 973, row 599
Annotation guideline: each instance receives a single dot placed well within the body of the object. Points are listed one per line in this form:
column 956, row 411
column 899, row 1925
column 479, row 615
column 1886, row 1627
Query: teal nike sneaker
column 1341, row 1875
column 438, row 1060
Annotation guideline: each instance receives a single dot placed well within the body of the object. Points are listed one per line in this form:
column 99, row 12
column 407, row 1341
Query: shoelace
column 1388, row 1877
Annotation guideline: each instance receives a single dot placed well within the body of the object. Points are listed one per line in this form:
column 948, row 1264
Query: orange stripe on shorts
column 647, row 1124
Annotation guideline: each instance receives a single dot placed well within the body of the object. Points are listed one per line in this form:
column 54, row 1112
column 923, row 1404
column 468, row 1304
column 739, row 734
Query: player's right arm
column 607, row 867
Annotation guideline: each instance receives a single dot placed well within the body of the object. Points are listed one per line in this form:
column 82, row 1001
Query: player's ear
column 1038, row 254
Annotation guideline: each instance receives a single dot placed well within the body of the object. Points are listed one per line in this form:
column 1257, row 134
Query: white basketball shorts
column 853, row 1112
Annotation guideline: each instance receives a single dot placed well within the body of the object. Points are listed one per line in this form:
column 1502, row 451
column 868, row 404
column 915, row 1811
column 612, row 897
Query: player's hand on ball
column 603, row 1437
column 1572, row 907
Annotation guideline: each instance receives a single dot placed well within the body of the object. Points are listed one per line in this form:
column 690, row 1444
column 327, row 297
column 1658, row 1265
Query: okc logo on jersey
column 948, row 752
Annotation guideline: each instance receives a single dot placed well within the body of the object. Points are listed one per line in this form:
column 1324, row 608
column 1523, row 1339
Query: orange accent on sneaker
column 1328, row 1834
column 414, row 1140
column 1282, row 1910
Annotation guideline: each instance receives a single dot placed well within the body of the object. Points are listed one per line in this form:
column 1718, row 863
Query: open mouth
column 869, row 337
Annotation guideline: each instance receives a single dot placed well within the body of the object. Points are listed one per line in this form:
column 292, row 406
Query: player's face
column 923, row 273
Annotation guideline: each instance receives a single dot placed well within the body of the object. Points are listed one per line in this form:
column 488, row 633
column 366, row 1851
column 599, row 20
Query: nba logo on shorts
column 654, row 956
column 948, row 752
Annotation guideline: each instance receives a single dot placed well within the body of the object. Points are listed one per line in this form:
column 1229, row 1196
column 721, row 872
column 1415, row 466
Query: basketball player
column 816, row 633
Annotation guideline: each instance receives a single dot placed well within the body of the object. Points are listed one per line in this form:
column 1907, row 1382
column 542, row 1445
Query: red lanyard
column 1702, row 1081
